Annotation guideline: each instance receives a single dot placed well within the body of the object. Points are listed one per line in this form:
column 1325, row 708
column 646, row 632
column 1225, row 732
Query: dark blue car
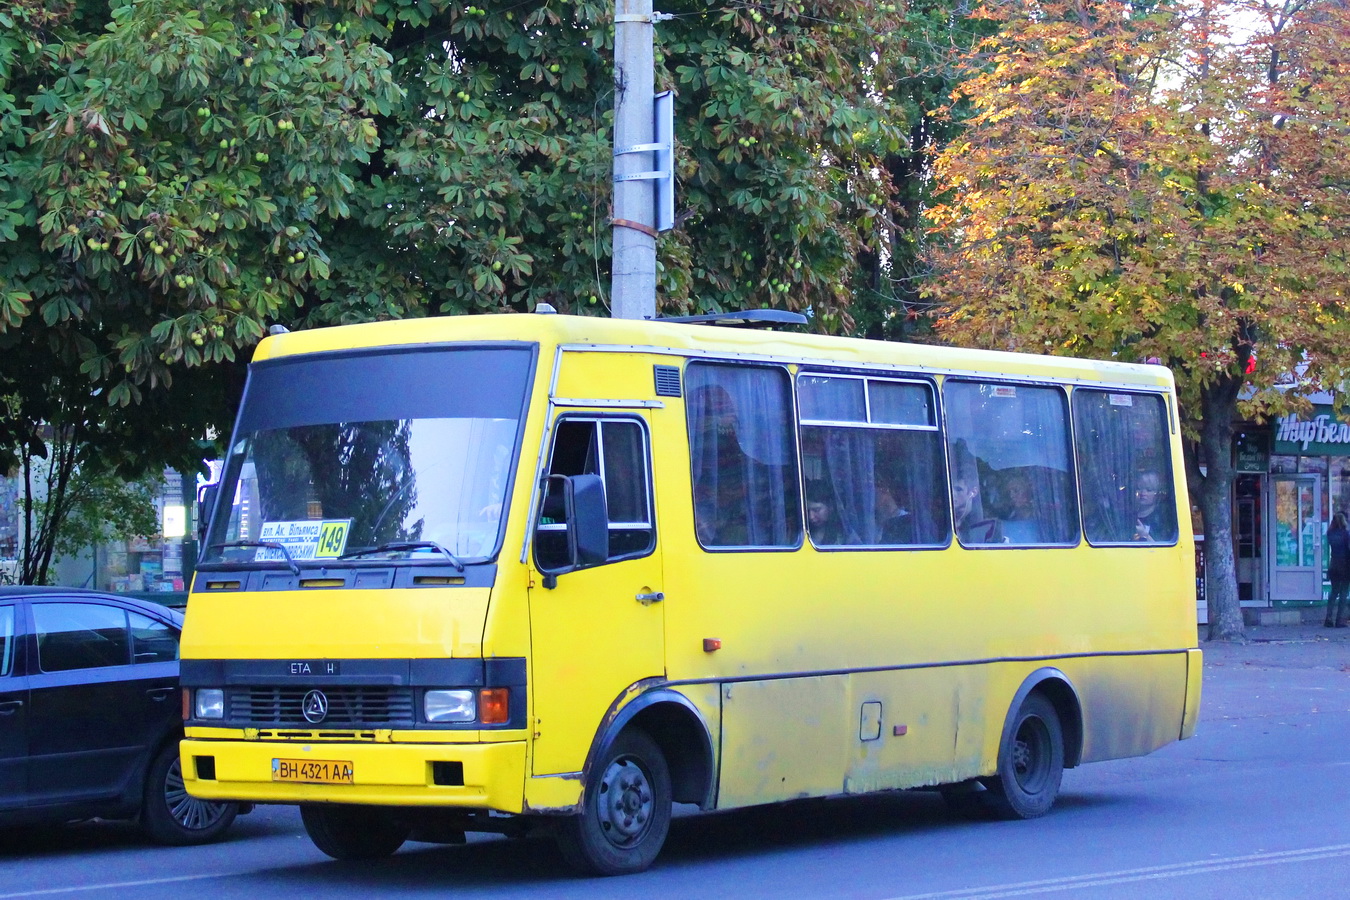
column 91, row 716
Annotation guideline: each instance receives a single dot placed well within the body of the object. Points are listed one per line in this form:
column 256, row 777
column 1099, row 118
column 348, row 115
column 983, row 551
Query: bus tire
column 173, row 817
column 353, row 832
column 1030, row 763
column 625, row 814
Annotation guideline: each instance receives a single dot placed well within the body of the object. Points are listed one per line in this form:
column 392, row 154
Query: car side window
column 152, row 641
column 81, row 636
column 8, row 641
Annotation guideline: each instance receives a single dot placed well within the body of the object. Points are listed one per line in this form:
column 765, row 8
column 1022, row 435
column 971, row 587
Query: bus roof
column 698, row 340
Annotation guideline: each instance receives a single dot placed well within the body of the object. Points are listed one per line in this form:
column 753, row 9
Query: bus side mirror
column 573, row 529
column 588, row 519
column 206, row 502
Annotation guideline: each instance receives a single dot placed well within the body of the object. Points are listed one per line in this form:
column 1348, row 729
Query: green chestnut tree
column 175, row 177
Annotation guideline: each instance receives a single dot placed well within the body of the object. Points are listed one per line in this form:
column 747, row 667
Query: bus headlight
column 450, row 706
column 210, row 703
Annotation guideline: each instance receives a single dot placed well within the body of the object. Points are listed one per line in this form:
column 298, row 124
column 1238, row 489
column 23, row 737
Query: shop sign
column 1252, row 452
column 1321, row 435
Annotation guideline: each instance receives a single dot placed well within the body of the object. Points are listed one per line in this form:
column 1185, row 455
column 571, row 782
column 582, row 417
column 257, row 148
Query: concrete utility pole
column 633, row 284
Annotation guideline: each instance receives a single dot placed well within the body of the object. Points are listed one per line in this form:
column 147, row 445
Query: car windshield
column 372, row 457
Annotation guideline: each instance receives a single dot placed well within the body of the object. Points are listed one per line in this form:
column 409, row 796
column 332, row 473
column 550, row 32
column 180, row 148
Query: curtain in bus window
column 742, row 456
column 849, row 488
column 877, row 474
column 878, row 487
column 1124, row 466
column 1009, row 447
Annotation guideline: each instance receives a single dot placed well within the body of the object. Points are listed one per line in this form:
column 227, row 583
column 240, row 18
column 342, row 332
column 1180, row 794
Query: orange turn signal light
column 494, row 706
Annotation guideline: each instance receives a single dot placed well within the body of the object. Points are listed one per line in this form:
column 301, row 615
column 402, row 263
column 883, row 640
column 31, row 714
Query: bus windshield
column 372, row 457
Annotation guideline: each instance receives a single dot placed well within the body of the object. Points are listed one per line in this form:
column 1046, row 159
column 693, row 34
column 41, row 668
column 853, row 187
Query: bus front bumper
column 493, row 775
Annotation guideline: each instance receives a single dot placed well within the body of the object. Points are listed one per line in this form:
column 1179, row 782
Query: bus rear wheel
column 353, row 832
column 625, row 814
column 1030, row 763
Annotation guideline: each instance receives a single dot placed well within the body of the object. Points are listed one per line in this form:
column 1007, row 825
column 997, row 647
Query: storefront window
column 1339, row 484
column 1280, row 465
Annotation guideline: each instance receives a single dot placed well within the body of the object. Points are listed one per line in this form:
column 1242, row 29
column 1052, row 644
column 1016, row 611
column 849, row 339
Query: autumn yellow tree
column 1159, row 182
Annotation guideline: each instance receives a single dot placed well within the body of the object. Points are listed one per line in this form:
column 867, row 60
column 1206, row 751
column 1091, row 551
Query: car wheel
column 170, row 815
column 353, row 832
column 1030, row 763
column 625, row 814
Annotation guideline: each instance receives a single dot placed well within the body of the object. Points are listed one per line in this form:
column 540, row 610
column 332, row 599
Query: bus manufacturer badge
column 314, row 707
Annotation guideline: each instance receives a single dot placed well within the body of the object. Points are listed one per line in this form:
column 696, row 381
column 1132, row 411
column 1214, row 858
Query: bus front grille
column 346, row 706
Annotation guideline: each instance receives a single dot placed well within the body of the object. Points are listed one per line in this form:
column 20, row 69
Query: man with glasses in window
column 1153, row 521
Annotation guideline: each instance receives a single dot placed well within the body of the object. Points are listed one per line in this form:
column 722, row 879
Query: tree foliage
column 209, row 170
column 107, row 509
column 175, row 177
column 1159, row 182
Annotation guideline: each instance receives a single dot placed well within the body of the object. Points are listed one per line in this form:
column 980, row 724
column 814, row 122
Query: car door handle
column 9, row 707
column 649, row 599
column 160, row 694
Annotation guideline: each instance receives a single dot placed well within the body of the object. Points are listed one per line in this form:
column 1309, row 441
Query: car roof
column 25, row 591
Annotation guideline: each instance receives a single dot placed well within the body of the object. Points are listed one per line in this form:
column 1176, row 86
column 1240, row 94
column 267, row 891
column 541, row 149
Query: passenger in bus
column 1020, row 525
column 971, row 525
column 895, row 525
column 1153, row 517
column 821, row 520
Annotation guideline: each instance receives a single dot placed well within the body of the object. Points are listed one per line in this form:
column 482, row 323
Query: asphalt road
column 1256, row 805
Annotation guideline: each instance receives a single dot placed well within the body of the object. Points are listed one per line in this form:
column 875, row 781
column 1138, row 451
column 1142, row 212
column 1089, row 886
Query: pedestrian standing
column 1338, row 571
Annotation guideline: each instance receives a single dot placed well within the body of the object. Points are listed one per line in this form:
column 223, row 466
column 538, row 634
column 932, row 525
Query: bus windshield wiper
column 266, row 545
column 399, row 546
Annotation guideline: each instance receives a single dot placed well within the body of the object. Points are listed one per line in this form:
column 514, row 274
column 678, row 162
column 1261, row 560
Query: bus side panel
column 781, row 739
column 905, row 722
column 1194, row 665
column 1132, row 705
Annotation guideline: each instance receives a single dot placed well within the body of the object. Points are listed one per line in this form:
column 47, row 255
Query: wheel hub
column 625, row 803
column 1031, row 755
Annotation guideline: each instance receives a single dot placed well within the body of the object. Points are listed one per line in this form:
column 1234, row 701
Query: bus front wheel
column 625, row 814
column 353, row 832
column 1030, row 763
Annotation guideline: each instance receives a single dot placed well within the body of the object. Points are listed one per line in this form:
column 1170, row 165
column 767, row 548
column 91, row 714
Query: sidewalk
column 1304, row 646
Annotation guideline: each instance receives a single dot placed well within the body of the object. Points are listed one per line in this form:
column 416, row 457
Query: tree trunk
column 1219, row 409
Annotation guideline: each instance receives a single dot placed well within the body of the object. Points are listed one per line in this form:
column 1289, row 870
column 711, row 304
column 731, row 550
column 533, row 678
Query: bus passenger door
column 599, row 629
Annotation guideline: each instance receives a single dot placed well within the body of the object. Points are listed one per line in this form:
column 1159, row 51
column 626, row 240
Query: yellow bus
column 536, row 571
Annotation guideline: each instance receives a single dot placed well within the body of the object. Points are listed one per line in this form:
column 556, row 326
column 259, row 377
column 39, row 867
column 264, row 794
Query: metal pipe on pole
column 633, row 278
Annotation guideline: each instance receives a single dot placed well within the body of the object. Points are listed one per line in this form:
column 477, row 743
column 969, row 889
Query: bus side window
column 743, row 456
column 1011, row 462
column 1125, row 467
column 616, row 450
column 873, row 451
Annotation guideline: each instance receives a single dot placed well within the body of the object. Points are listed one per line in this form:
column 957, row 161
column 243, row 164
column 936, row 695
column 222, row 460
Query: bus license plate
column 313, row 771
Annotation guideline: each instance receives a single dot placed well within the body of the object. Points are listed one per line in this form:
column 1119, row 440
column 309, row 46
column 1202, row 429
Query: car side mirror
column 573, row 528
column 206, row 504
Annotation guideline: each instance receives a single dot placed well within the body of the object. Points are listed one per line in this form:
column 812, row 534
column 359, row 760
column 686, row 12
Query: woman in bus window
column 1020, row 524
